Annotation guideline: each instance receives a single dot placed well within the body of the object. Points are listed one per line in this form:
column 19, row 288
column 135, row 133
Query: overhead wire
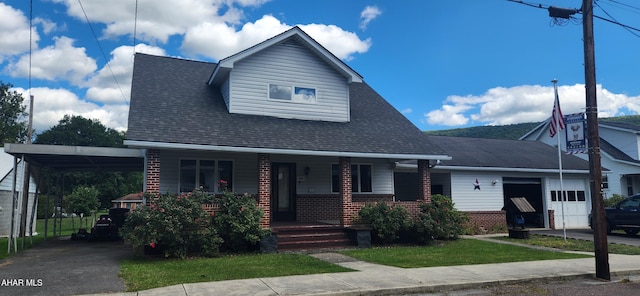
column 619, row 4
column 626, row 27
column 103, row 54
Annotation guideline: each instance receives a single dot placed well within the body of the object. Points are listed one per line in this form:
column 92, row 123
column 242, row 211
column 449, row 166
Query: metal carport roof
column 78, row 158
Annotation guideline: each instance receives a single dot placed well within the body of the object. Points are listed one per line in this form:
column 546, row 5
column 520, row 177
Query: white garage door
column 577, row 203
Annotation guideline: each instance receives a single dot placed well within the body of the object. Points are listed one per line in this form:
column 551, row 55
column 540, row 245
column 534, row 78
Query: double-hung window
column 206, row 175
column 360, row 178
column 296, row 94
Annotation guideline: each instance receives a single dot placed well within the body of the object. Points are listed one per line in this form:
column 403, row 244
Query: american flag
column 557, row 119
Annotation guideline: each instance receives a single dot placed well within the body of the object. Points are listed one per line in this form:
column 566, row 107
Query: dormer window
column 296, row 94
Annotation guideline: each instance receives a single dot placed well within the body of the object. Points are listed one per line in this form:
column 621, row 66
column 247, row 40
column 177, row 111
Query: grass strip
column 458, row 252
column 143, row 273
column 572, row 244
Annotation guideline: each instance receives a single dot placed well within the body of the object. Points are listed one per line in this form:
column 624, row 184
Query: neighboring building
column 285, row 120
column 484, row 174
column 620, row 154
column 6, row 190
column 129, row 201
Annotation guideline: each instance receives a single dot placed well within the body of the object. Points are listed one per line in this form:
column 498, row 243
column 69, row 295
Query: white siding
column 5, row 216
column 245, row 171
column 626, row 141
column 288, row 64
column 488, row 198
column 319, row 179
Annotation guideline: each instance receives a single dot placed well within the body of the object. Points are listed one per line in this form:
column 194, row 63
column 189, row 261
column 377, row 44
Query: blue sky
column 444, row 64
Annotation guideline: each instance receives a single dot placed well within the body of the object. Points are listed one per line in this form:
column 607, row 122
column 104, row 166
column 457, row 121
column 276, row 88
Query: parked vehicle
column 623, row 216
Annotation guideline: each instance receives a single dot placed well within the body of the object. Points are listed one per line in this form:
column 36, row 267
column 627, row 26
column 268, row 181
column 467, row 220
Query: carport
column 62, row 159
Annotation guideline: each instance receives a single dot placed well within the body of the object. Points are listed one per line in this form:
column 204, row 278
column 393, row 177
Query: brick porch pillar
column 153, row 171
column 424, row 181
column 264, row 189
column 347, row 211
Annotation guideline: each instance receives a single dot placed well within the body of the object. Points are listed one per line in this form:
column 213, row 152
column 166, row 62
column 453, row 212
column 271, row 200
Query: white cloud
column 157, row 20
column 59, row 61
column 449, row 115
column 103, row 87
column 341, row 43
column 406, row 111
column 526, row 103
column 219, row 40
column 48, row 26
column 14, row 32
column 51, row 105
column 367, row 15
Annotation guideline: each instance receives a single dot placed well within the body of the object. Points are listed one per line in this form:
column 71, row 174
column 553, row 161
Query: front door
column 283, row 191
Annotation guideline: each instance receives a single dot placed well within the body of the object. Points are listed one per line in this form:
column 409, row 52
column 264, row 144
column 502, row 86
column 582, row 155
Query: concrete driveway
column 64, row 267
column 587, row 234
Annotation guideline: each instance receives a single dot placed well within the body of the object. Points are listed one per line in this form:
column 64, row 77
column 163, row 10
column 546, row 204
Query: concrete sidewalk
column 373, row 279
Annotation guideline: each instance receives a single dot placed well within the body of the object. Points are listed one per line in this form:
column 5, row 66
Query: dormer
column 288, row 76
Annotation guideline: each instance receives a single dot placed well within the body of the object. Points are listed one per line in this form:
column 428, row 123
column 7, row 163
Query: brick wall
column 264, row 189
column 424, row 180
column 488, row 220
column 348, row 211
column 313, row 208
column 153, row 170
column 552, row 219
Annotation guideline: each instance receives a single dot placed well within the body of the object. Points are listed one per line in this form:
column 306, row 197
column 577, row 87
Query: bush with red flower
column 238, row 221
column 176, row 226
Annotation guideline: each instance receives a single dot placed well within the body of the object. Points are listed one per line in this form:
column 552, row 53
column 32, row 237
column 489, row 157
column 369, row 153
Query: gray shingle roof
column 624, row 125
column 171, row 102
column 477, row 152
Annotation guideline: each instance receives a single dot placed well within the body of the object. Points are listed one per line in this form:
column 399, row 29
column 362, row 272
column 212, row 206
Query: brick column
column 153, row 170
column 424, row 181
column 347, row 210
column 264, row 189
column 552, row 219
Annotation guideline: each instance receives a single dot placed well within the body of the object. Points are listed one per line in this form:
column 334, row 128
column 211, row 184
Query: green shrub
column 387, row 222
column 175, row 225
column 439, row 220
column 238, row 221
column 613, row 200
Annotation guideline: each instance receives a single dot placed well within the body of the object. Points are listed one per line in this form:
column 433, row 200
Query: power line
column 102, row 51
column 561, row 20
column 625, row 5
column 628, row 28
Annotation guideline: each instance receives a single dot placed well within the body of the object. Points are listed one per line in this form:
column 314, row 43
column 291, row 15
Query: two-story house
column 620, row 154
column 285, row 120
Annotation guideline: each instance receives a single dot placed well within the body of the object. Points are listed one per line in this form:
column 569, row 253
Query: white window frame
column 292, row 93
column 215, row 186
column 356, row 185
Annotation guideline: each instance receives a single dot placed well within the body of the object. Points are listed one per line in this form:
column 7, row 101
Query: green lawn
column 459, row 252
column 572, row 244
column 141, row 274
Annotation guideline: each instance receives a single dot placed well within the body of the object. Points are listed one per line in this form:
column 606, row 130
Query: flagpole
column 557, row 118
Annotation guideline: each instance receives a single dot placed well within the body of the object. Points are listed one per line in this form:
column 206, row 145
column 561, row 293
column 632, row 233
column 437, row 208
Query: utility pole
column 601, row 249
column 593, row 138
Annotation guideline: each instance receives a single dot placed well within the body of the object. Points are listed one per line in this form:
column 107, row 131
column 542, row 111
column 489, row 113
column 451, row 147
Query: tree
column 13, row 127
column 82, row 201
column 79, row 131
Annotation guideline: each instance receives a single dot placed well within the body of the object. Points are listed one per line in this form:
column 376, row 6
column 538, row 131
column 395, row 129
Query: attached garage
column 484, row 173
